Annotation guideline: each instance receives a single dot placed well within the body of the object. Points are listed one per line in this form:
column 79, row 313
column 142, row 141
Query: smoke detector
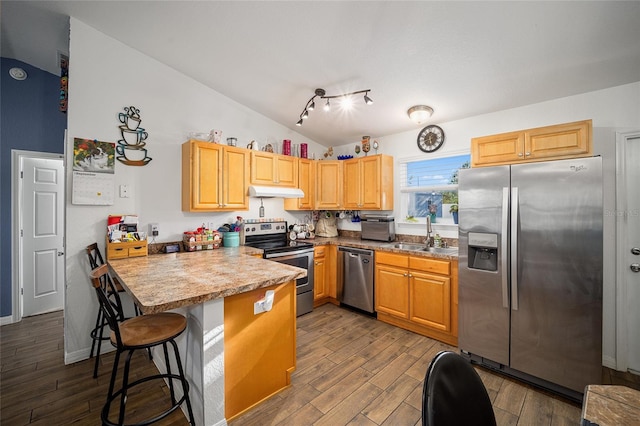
column 18, row 74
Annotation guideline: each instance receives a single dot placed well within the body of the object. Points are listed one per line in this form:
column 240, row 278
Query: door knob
column 635, row 251
column 60, row 253
column 635, row 267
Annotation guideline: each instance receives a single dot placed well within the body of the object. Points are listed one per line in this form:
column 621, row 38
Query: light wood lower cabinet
column 419, row 294
column 259, row 350
column 319, row 272
column 569, row 140
column 324, row 275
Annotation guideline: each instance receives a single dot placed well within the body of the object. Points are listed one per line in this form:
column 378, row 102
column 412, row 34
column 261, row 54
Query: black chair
column 453, row 394
column 141, row 332
column 97, row 334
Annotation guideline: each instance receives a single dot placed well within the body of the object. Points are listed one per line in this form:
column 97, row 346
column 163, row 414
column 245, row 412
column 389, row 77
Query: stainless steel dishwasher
column 355, row 278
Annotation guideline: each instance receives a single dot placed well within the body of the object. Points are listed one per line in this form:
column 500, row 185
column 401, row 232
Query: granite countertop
column 377, row 245
column 162, row 282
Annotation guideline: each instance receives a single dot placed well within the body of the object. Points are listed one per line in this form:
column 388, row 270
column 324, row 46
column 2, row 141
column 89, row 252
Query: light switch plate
column 124, row 191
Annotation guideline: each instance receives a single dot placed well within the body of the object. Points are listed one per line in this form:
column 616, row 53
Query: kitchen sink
column 441, row 250
column 409, row 246
column 421, row 247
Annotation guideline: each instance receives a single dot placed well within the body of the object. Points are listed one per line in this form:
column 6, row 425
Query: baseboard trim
column 609, row 362
column 6, row 320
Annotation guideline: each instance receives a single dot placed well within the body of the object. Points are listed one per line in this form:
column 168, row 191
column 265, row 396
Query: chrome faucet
column 429, row 231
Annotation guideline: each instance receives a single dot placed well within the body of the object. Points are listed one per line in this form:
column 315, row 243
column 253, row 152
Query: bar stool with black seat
column 141, row 332
column 97, row 334
column 453, row 394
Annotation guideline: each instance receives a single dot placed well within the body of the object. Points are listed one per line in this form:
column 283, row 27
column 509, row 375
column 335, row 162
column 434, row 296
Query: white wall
column 612, row 110
column 106, row 76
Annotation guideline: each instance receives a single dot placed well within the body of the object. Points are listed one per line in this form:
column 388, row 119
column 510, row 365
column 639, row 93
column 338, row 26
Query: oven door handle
column 288, row 254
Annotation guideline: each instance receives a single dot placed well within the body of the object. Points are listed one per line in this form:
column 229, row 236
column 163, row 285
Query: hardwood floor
column 36, row 388
column 351, row 370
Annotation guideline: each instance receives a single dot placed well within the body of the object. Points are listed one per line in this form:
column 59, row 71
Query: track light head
column 299, row 123
column 327, row 106
column 367, row 99
column 311, row 106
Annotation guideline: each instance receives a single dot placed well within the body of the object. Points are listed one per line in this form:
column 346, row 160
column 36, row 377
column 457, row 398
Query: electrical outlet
column 154, row 229
column 124, row 191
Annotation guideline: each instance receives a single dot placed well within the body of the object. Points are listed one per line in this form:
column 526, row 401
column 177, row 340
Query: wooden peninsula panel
column 259, row 349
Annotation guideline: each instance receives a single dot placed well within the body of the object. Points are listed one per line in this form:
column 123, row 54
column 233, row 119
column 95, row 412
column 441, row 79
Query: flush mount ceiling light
column 419, row 113
column 18, row 74
column 322, row 94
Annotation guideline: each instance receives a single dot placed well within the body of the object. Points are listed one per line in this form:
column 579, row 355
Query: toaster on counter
column 378, row 228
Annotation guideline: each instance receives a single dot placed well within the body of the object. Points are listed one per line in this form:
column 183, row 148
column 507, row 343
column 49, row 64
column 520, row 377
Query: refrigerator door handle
column 514, row 248
column 504, row 244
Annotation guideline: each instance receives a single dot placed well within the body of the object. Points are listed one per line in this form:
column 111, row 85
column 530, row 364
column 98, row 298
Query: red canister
column 303, row 150
column 286, row 147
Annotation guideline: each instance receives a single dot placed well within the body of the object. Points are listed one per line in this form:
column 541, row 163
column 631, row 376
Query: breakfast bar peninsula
column 239, row 348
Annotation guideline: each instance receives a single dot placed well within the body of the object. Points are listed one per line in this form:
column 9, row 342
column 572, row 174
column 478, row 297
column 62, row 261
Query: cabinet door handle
column 519, row 154
column 527, row 154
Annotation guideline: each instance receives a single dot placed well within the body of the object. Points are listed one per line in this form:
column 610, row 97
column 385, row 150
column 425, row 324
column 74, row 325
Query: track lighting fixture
column 322, row 94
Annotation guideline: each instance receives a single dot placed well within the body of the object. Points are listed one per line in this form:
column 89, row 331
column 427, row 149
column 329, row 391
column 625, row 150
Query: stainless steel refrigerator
column 530, row 271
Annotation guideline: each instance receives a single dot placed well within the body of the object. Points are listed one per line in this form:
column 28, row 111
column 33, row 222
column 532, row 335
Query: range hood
column 274, row 191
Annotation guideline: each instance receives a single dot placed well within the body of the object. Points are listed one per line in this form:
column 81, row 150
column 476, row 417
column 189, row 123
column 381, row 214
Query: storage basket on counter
column 208, row 240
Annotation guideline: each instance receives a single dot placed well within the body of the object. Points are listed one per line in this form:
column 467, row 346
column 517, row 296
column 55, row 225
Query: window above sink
column 429, row 186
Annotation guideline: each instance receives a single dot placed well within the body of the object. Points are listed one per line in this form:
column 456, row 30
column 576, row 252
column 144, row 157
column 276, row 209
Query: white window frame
column 446, row 222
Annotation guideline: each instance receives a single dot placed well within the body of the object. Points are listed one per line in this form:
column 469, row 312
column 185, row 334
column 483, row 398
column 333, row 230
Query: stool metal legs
column 169, row 376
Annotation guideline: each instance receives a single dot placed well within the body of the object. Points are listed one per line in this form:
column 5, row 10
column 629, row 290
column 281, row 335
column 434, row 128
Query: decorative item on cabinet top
column 131, row 148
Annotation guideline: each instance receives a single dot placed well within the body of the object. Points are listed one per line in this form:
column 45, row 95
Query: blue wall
column 29, row 121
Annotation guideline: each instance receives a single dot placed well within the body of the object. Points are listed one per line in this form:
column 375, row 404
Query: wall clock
column 430, row 138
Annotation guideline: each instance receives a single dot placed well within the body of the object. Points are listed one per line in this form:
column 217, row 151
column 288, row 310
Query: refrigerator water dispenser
column 483, row 251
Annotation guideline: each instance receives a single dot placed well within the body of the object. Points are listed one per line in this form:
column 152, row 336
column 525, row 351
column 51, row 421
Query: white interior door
column 628, row 251
column 42, row 235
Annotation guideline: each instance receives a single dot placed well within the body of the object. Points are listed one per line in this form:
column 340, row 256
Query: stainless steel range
column 272, row 238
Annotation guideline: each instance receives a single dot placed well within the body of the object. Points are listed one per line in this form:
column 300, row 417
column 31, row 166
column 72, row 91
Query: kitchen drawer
column 430, row 265
column 138, row 250
column 319, row 251
column 126, row 249
column 399, row 260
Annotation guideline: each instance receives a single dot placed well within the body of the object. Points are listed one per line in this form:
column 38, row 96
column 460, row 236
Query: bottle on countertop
column 240, row 227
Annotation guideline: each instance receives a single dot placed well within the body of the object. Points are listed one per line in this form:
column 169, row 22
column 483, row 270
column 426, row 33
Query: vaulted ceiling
column 461, row 58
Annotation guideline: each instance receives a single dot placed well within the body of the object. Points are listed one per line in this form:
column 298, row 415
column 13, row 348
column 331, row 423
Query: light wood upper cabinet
column 329, row 185
column 273, row 169
column 556, row 142
column 368, row 183
column 214, row 177
column 306, row 182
